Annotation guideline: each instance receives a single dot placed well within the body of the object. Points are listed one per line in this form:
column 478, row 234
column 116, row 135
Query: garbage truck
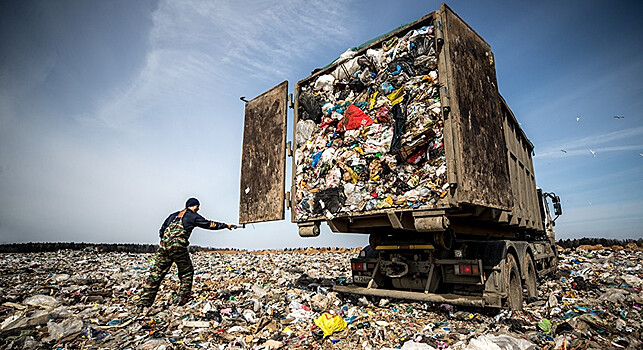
column 406, row 139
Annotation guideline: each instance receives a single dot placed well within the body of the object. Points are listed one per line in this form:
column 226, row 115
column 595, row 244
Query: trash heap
column 369, row 134
column 284, row 299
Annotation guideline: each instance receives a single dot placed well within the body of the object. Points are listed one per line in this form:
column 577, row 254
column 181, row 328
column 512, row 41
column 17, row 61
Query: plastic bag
column 310, row 107
column 331, row 199
column 330, row 324
column 353, row 194
column 399, row 118
column 324, row 82
column 305, row 129
column 347, row 69
column 258, row 291
column 422, row 45
column 44, row 301
column 411, row 345
column 375, row 55
column 500, row 342
column 396, row 96
column 155, row 344
column 328, row 155
column 545, row 325
column 349, row 53
column 320, row 302
column 334, row 177
column 60, row 330
column 354, row 118
column 383, row 115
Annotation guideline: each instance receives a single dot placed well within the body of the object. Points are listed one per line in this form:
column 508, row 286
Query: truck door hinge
column 291, row 101
column 289, row 148
column 438, row 45
column 445, row 112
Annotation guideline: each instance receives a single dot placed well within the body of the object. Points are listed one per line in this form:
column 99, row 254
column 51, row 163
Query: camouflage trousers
column 162, row 263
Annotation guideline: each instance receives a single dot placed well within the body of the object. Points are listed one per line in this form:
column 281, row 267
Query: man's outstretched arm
column 211, row 225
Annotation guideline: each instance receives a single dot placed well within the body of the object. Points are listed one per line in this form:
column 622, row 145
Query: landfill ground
column 274, row 299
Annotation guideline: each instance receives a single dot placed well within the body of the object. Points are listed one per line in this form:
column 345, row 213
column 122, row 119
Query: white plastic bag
column 324, row 82
column 60, row 330
column 44, row 301
column 305, row 129
column 500, row 342
column 411, row 345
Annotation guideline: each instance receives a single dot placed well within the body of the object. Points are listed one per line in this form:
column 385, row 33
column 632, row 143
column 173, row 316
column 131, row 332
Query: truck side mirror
column 558, row 209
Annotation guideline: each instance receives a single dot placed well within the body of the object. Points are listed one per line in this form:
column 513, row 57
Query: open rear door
column 263, row 160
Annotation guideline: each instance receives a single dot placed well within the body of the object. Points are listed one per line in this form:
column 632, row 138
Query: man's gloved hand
column 231, row 226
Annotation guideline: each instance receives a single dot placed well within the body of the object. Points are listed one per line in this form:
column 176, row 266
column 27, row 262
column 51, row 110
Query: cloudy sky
column 113, row 113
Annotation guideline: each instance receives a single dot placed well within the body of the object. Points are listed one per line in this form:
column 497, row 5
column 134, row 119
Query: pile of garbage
column 284, row 299
column 369, row 134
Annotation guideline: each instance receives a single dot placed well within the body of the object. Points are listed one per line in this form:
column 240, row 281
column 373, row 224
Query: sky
column 113, row 113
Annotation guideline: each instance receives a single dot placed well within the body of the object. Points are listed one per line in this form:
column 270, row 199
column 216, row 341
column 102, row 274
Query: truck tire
column 368, row 253
column 531, row 289
column 513, row 284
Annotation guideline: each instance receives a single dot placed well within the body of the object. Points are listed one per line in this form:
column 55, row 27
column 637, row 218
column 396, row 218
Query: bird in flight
column 618, row 117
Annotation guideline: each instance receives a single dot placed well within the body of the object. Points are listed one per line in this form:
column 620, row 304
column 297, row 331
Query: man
column 175, row 233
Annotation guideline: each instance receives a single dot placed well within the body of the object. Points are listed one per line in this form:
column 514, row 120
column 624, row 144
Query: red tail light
column 362, row 266
column 466, row 269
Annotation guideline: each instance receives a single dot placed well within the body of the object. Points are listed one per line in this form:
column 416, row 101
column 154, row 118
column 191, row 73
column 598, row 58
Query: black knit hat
column 192, row 202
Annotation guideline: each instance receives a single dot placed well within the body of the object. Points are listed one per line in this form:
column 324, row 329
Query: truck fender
column 520, row 252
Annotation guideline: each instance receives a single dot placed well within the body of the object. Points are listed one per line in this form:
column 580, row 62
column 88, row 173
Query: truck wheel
column 513, row 284
column 530, row 281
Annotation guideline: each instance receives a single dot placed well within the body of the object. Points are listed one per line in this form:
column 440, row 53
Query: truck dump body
column 469, row 163
column 408, row 133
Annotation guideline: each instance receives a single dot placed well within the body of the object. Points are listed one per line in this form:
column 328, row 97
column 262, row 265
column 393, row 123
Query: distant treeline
column 605, row 242
column 101, row 247
column 151, row 248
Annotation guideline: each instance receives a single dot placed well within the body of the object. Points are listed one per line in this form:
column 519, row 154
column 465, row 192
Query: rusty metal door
column 263, row 159
column 481, row 153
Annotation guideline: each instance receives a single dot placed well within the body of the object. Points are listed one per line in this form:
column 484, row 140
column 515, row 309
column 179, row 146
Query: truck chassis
column 493, row 273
